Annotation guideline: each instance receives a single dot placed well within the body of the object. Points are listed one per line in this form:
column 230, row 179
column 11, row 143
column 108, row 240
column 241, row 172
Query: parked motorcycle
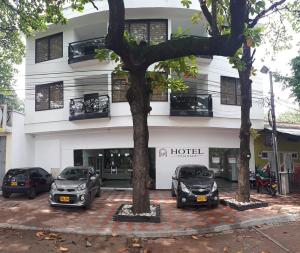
column 266, row 181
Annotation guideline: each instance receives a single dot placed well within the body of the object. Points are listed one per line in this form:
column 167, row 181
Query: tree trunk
column 138, row 97
column 243, row 193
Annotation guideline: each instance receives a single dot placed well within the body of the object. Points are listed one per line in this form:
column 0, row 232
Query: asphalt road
column 265, row 239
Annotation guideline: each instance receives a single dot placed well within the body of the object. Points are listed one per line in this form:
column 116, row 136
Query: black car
column 75, row 186
column 194, row 185
column 29, row 181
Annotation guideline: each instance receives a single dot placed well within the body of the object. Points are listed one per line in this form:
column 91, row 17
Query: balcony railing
column 199, row 105
column 85, row 49
column 89, row 107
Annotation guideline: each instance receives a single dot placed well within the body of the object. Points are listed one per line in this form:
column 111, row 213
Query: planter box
column 138, row 218
column 254, row 203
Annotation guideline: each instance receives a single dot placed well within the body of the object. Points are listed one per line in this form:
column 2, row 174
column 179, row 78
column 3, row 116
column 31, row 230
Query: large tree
column 137, row 58
column 243, row 62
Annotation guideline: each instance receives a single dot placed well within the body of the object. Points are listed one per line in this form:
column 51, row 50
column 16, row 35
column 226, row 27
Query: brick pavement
column 20, row 212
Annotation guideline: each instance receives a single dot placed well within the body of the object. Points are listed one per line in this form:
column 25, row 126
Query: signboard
column 169, row 158
column 180, row 152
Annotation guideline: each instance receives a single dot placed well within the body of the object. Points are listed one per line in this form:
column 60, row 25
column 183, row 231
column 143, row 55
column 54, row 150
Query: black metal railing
column 89, row 107
column 85, row 49
column 191, row 105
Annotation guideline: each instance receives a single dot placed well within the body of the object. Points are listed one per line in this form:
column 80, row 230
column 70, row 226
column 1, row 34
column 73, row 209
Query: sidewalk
column 21, row 213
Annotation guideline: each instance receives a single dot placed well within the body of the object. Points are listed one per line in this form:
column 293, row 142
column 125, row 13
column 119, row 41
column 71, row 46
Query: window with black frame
column 151, row 31
column 49, row 96
column 230, row 91
column 49, row 48
column 120, row 86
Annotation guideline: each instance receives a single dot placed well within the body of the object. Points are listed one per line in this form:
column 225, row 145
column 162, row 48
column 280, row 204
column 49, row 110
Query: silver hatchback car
column 75, row 186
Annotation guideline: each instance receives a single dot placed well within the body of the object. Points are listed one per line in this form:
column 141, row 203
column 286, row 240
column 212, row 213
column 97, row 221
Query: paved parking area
column 19, row 212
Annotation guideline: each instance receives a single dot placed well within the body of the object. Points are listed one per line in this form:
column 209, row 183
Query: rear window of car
column 18, row 174
column 195, row 171
column 15, row 172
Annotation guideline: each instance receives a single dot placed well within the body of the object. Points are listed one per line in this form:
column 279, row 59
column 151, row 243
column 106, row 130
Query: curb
column 170, row 233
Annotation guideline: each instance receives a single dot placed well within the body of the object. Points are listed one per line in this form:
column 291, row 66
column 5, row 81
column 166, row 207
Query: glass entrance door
column 113, row 165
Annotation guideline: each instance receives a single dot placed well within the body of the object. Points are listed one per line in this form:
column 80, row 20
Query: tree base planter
column 242, row 206
column 124, row 213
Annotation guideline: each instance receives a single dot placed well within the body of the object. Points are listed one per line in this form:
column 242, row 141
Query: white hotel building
column 76, row 112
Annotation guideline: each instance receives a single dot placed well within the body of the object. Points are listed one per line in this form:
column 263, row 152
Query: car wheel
column 31, row 193
column 98, row 193
column 5, row 194
column 88, row 202
column 173, row 191
column 179, row 203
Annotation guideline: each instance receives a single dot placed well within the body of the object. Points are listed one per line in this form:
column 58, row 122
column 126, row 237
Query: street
column 281, row 238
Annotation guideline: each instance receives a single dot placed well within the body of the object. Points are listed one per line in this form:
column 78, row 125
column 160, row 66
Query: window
column 230, row 91
column 49, row 48
column 153, row 31
column 49, row 96
column 120, row 86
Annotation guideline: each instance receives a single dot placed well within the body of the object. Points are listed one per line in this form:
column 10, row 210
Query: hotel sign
column 179, row 152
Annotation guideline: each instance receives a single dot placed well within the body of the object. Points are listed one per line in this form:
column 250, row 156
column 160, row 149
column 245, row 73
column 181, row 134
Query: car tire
column 32, row 193
column 88, row 202
column 173, row 191
column 98, row 193
column 6, row 194
column 179, row 203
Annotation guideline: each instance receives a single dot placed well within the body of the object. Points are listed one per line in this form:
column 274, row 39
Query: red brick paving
column 37, row 213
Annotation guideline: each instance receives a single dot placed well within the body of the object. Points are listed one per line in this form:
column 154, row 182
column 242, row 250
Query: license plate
column 13, row 184
column 65, row 199
column 201, row 198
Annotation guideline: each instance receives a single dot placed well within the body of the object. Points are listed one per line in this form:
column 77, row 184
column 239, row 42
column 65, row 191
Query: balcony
column 190, row 105
column 91, row 106
column 85, row 49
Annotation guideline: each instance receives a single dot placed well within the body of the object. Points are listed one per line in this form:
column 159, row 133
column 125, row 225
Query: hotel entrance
column 113, row 165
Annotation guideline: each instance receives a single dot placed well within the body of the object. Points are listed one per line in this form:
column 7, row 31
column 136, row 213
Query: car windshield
column 73, row 174
column 195, row 172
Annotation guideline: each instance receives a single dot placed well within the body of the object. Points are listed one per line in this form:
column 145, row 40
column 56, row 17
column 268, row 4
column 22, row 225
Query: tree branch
column 214, row 17
column 115, row 36
column 206, row 12
column 264, row 12
column 224, row 45
column 94, row 5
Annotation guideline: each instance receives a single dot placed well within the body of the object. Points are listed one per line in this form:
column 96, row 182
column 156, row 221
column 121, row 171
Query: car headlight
column 214, row 187
column 53, row 186
column 81, row 187
column 184, row 188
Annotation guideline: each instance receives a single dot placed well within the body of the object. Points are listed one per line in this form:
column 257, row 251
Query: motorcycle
column 266, row 181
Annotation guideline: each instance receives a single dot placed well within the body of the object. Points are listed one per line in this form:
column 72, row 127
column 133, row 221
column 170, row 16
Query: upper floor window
column 152, row 31
column 49, row 48
column 49, row 96
column 120, row 86
column 230, row 91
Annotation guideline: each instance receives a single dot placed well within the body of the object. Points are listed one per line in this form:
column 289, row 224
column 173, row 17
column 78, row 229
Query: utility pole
column 274, row 132
column 266, row 70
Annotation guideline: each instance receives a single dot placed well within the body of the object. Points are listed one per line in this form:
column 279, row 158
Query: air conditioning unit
column 265, row 155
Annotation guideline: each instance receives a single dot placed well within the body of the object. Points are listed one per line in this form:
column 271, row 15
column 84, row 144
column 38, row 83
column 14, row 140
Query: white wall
column 22, row 145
